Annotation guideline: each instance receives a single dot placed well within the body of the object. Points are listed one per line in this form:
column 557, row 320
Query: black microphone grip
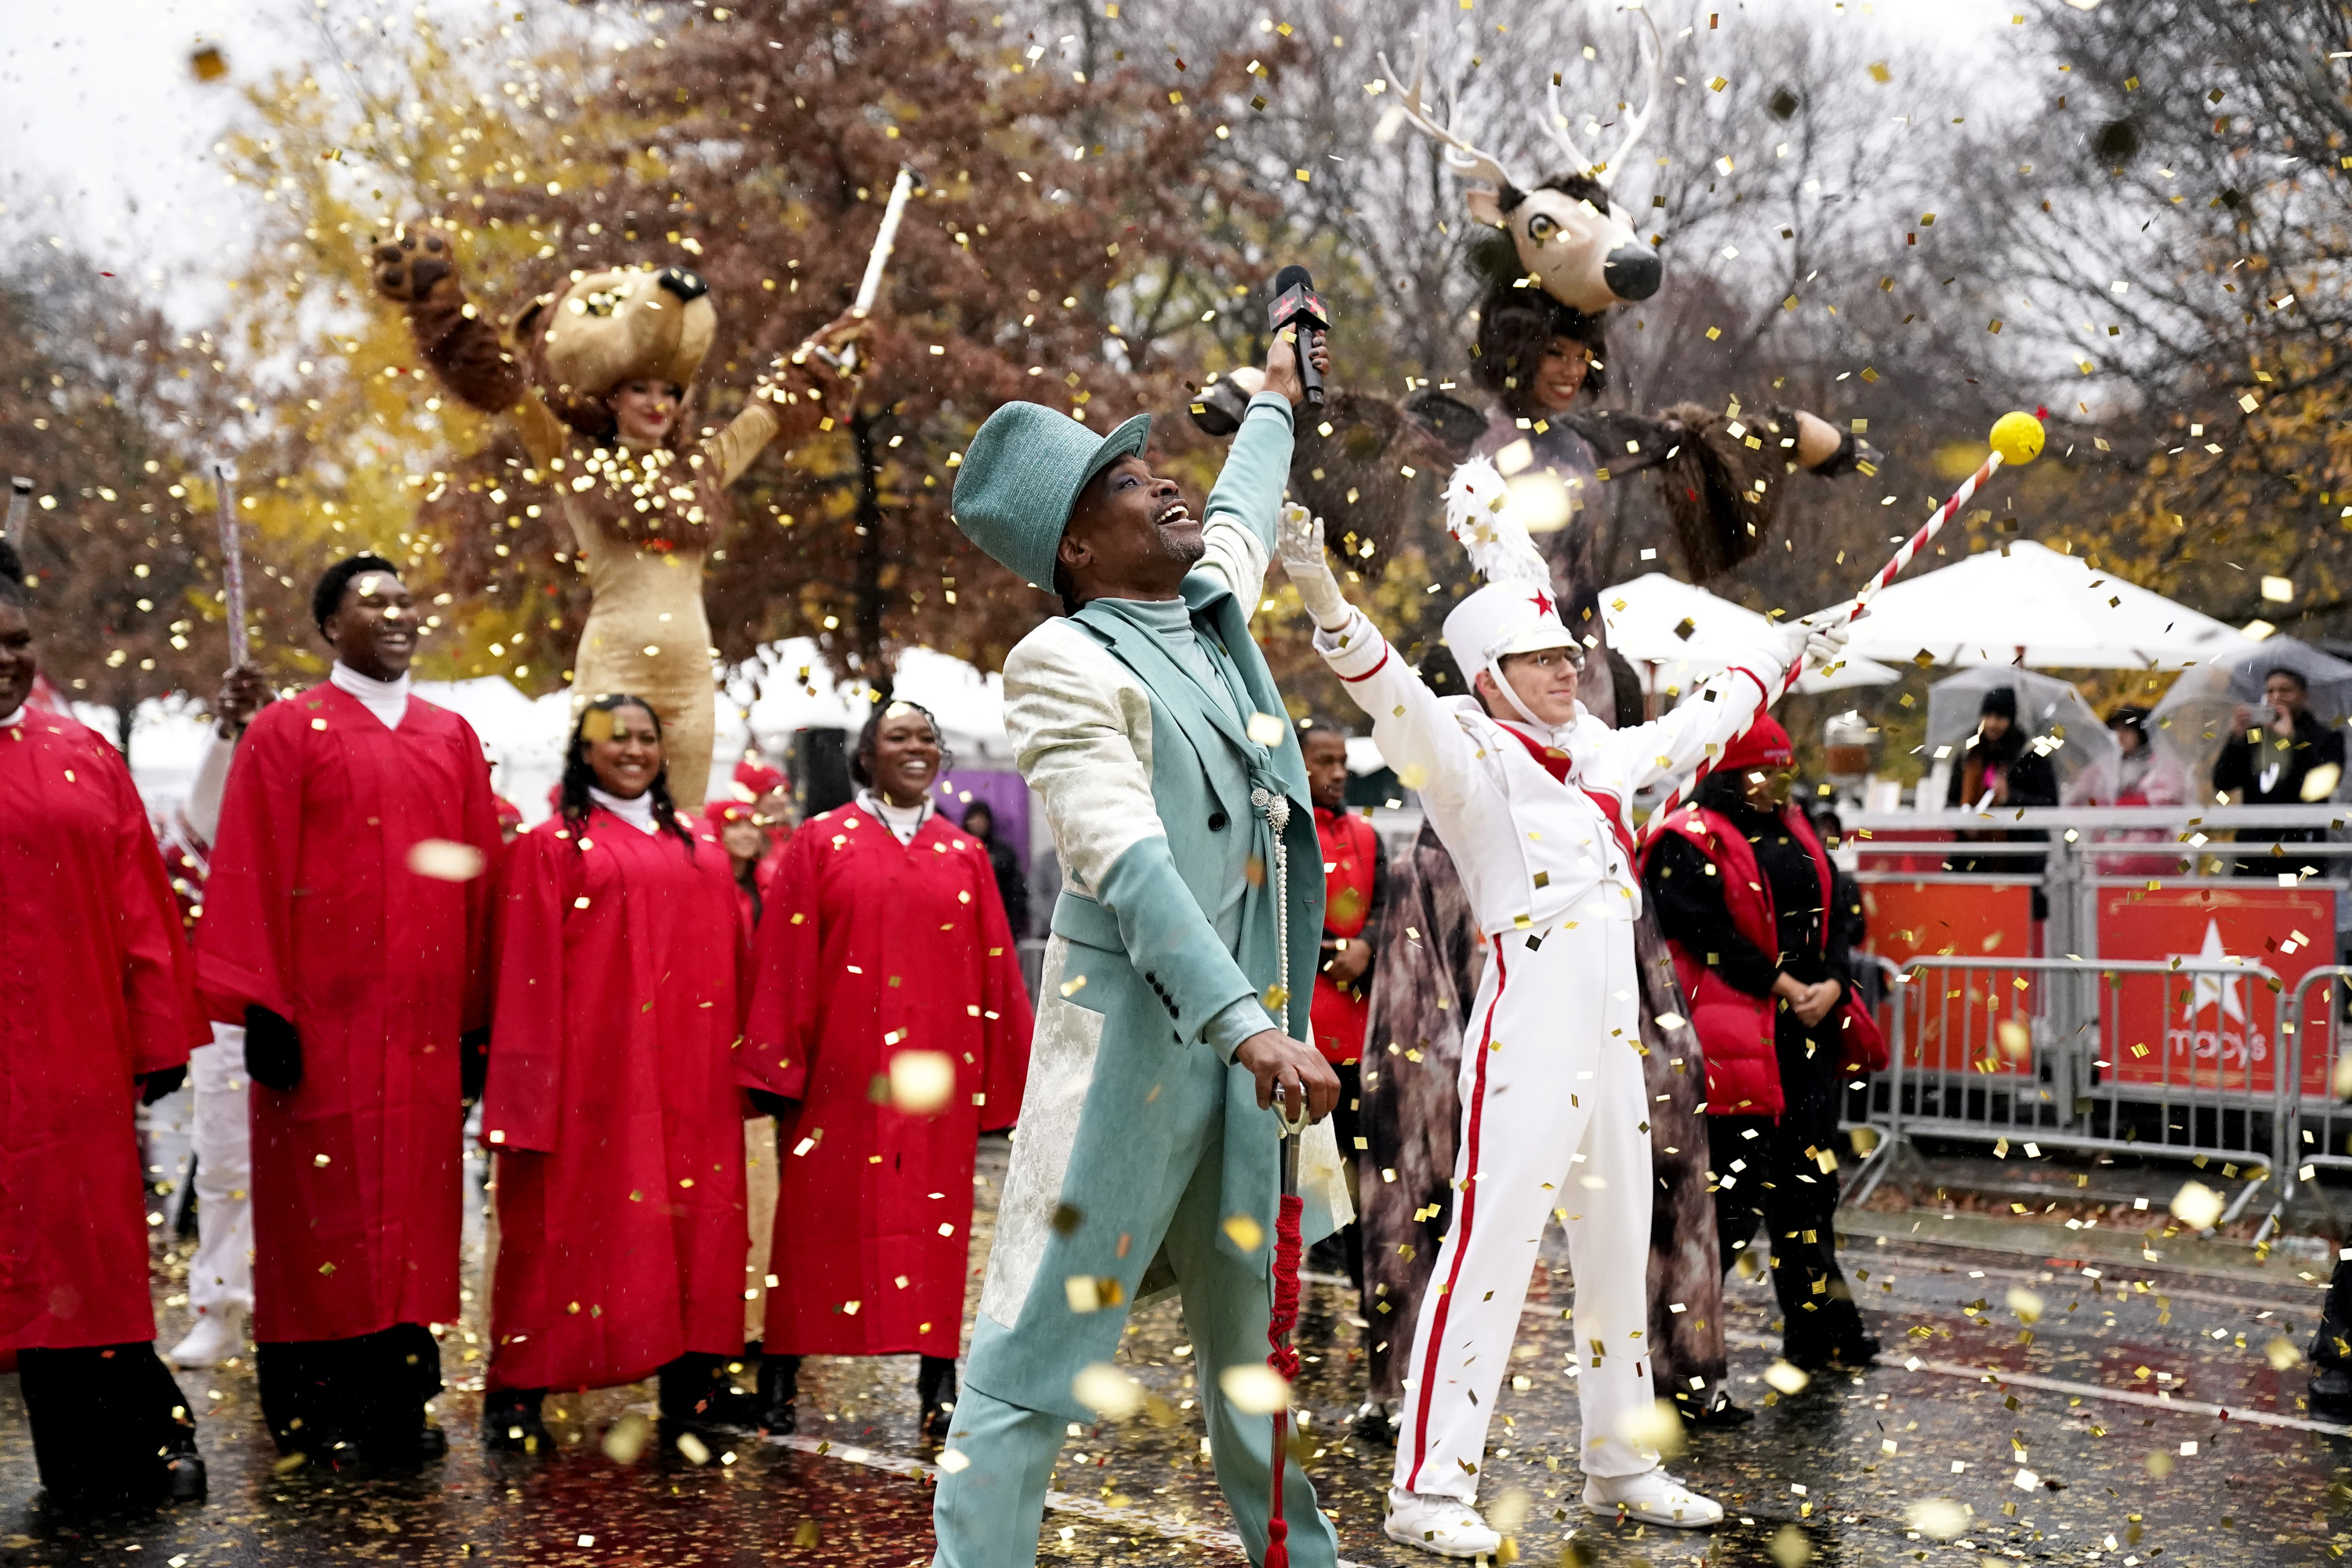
column 1296, row 306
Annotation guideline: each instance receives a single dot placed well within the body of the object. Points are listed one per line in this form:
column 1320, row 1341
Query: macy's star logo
column 1542, row 602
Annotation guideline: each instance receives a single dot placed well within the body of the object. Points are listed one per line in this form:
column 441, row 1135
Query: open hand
column 1298, row 542
column 409, row 268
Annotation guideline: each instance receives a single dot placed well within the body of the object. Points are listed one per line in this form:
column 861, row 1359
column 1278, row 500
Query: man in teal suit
column 1149, row 1155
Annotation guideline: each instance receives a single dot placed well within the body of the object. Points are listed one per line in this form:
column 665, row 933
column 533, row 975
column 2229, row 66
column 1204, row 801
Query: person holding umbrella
column 2279, row 754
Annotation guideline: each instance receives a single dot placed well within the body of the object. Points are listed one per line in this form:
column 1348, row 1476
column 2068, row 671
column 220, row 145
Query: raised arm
column 789, row 402
column 1417, row 734
column 1676, row 745
column 418, row 271
column 1239, row 520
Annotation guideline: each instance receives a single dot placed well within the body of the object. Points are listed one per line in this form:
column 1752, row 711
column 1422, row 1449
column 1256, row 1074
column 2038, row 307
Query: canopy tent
column 2058, row 721
column 2032, row 606
column 1677, row 635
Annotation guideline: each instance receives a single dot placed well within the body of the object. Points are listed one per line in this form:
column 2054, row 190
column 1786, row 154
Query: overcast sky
column 109, row 135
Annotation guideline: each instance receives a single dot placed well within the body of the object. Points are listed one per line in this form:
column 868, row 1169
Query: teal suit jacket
column 1132, row 1090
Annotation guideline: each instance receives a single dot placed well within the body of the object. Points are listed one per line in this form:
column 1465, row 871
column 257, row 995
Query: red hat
column 757, row 777
column 509, row 814
column 720, row 813
column 1763, row 744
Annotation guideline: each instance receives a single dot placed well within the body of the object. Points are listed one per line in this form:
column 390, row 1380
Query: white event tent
column 1676, row 636
column 2032, row 606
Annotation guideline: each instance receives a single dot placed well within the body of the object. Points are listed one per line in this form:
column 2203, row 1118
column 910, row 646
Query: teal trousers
column 988, row 1514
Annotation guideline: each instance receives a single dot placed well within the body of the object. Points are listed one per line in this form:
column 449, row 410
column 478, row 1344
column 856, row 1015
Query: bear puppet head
column 612, row 327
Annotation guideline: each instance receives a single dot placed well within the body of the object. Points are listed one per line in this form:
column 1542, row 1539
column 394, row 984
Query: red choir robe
column 870, row 948
column 96, row 988
column 314, row 911
column 614, row 1106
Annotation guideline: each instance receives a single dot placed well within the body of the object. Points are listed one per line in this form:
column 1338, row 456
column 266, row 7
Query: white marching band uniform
column 1553, row 1104
column 220, row 1275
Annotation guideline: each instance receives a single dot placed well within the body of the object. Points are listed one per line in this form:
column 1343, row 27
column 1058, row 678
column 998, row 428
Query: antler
column 1555, row 123
column 1460, row 155
column 1608, row 175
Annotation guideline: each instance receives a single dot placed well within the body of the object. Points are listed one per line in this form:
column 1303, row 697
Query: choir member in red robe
column 612, row 1102
column 884, row 957
column 346, row 926
column 737, row 827
column 102, row 1013
column 1355, row 882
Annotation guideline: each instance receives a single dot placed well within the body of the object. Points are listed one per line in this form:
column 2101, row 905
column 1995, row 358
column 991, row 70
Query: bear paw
column 412, row 267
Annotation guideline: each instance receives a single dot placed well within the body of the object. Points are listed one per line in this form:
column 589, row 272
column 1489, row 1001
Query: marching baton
column 232, row 559
column 20, row 502
column 869, row 288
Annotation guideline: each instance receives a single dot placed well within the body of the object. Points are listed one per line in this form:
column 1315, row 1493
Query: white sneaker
column 1654, row 1496
column 1443, row 1525
column 217, row 1336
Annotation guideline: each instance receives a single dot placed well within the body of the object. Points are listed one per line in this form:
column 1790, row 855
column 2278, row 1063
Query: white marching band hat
column 1517, row 611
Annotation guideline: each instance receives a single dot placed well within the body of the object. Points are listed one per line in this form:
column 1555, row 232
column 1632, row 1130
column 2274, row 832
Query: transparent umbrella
column 2058, row 721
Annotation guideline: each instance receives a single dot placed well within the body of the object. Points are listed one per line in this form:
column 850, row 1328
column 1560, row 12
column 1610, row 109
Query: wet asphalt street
column 2094, row 1436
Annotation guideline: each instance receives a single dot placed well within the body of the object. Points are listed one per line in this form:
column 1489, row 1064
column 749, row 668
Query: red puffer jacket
column 1735, row 1028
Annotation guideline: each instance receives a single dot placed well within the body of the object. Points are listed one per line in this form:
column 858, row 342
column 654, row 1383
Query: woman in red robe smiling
column 613, row 1102
column 884, row 956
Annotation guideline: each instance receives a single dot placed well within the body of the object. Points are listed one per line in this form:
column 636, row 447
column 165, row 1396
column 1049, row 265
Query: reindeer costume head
column 1570, row 235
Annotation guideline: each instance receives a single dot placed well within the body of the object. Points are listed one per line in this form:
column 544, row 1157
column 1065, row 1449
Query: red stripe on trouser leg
column 1561, row 1078
column 1460, row 1233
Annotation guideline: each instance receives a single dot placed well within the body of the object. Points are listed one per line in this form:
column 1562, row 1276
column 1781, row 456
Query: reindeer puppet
column 1555, row 257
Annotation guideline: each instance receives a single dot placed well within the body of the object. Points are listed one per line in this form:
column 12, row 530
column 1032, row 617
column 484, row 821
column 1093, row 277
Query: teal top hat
column 1024, row 470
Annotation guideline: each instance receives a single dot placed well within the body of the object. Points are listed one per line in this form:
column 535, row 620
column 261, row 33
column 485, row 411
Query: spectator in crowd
column 2279, row 754
column 612, row 1102
column 346, row 925
column 102, row 1013
column 1744, row 890
column 1999, row 768
column 2137, row 774
column 1011, row 877
column 884, row 959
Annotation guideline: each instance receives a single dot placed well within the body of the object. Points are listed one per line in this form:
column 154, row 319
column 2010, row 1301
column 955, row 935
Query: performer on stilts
column 1147, row 721
column 598, row 377
column 1530, row 793
column 1555, row 257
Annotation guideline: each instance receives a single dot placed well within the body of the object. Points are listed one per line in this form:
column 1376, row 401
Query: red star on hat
column 1542, row 602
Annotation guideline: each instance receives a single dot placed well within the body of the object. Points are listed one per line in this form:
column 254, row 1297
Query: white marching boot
column 218, row 1335
column 1445, row 1526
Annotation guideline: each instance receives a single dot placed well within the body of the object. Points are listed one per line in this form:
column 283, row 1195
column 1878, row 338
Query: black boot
column 936, row 1385
column 184, row 1479
column 699, row 1386
column 511, row 1421
column 1719, row 1412
column 780, row 1387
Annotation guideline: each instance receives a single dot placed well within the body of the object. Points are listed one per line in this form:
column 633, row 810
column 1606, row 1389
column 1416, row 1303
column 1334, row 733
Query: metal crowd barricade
column 2319, row 1096
column 2061, row 1051
column 2130, row 1023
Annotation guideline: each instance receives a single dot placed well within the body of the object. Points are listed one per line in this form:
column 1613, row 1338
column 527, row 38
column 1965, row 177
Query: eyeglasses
column 1549, row 659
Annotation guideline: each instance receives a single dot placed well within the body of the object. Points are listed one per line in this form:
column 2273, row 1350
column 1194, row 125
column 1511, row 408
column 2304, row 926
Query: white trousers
column 1553, row 1110
column 221, row 1274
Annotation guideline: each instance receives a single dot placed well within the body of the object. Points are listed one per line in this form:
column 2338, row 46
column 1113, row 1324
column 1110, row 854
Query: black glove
column 768, row 1102
column 154, row 1086
column 473, row 1064
column 1853, row 452
column 273, row 1051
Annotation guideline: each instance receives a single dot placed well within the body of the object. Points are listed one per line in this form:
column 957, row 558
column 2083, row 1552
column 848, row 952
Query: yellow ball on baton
column 2017, row 437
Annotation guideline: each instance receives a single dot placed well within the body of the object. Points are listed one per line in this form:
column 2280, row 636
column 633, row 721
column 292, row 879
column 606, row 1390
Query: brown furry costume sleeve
column 1720, row 476
column 468, row 355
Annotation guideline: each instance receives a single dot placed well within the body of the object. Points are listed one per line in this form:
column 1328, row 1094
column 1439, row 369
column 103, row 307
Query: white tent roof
column 1647, row 618
column 2035, row 606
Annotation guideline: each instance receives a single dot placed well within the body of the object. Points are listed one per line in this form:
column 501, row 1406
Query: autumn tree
column 120, row 542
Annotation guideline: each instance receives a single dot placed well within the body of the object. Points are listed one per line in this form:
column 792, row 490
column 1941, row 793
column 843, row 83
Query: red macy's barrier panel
column 2206, row 1030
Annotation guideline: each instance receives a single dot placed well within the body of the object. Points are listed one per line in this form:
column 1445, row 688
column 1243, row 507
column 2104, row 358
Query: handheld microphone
column 1296, row 304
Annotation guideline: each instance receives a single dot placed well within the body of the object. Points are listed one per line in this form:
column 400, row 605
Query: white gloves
column 1825, row 645
column 1298, row 544
column 1816, row 646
